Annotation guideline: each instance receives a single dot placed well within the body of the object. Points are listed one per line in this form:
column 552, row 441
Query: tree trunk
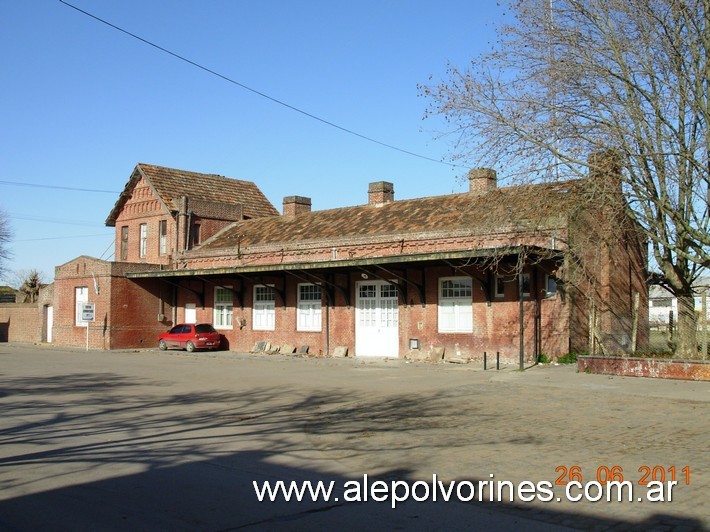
column 686, row 338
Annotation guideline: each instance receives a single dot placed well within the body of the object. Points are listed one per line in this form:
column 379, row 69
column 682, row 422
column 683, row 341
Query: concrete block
column 340, row 352
column 418, row 355
column 259, row 347
column 436, row 354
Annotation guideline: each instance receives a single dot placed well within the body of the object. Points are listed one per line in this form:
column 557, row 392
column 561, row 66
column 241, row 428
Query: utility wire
column 49, row 220
column 37, row 185
column 57, row 238
column 111, row 245
column 259, row 93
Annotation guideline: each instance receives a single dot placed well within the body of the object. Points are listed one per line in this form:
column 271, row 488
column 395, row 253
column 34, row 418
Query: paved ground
column 170, row 441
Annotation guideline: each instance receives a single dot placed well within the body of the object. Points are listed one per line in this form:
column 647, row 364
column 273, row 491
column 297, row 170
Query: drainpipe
column 327, row 327
column 522, row 326
column 537, row 318
column 327, row 322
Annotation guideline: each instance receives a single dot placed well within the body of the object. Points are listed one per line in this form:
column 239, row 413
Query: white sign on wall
column 88, row 312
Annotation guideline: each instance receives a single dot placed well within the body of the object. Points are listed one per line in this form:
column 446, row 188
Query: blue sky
column 83, row 103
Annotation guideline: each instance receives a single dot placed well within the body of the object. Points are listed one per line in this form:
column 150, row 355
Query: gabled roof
column 169, row 184
column 84, row 258
column 530, row 207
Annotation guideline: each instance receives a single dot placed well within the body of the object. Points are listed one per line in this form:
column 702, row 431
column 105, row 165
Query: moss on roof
column 522, row 206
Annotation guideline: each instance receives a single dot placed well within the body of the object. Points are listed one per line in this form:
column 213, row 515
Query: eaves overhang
column 422, row 258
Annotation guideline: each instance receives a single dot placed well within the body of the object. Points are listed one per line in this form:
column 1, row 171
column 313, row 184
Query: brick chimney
column 605, row 171
column 481, row 180
column 379, row 193
column 294, row 205
column 182, row 229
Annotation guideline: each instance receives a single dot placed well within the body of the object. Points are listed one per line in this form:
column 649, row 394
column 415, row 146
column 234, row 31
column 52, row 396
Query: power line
column 57, row 238
column 108, row 248
column 258, row 93
column 58, row 187
column 50, row 220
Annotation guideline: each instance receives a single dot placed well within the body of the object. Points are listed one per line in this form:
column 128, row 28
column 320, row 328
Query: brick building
column 27, row 322
column 486, row 270
column 163, row 212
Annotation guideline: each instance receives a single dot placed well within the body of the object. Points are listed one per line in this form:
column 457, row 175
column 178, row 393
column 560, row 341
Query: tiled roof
column 516, row 208
column 171, row 183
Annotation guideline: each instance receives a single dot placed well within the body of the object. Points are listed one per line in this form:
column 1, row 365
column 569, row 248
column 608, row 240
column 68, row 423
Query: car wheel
column 162, row 345
column 190, row 347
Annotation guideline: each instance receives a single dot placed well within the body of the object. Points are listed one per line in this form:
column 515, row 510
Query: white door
column 190, row 313
column 50, row 323
column 376, row 319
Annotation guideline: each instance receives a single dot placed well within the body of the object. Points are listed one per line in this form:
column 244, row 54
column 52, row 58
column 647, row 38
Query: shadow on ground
column 97, row 451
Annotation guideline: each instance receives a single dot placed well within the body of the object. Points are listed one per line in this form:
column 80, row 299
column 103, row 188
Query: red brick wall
column 81, row 272
column 144, row 207
column 140, row 311
column 209, row 227
column 614, row 270
column 20, row 322
column 496, row 326
column 126, row 311
column 646, row 367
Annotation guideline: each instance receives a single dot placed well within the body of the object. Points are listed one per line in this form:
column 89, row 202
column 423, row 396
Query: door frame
column 386, row 343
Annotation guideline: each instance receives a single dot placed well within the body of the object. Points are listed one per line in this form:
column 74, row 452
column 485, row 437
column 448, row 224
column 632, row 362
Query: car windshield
column 204, row 328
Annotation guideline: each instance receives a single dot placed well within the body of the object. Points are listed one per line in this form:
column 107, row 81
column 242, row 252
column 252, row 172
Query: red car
column 190, row 337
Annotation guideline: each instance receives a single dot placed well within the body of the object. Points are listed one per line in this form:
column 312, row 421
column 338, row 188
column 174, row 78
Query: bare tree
column 5, row 237
column 572, row 77
column 31, row 286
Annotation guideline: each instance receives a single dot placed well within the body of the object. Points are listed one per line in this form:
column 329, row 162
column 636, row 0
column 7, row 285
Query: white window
column 455, row 305
column 309, row 308
column 550, row 286
column 124, row 242
column 264, row 315
column 163, row 237
column 143, row 240
column 190, row 313
column 81, row 296
column 223, row 307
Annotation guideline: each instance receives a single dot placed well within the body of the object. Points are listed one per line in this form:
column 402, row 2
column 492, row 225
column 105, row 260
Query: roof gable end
column 169, row 184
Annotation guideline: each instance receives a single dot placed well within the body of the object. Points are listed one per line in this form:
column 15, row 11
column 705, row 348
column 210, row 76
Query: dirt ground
column 173, row 441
